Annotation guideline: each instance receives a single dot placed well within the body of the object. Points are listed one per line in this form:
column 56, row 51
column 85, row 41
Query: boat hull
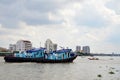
column 39, row 60
column 57, row 61
column 20, row 59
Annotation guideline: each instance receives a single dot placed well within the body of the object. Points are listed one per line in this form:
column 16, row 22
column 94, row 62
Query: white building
column 86, row 49
column 78, row 48
column 54, row 47
column 23, row 45
column 50, row 46
column 12, row 47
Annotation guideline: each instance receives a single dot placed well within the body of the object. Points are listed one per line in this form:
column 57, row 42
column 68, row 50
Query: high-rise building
column 78, row 48
column 50, row 46
column 12, row 47
column 86, row 49
column 23, row 45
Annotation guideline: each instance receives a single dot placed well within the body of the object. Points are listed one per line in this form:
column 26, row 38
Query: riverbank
column 5, row 53
column 93, row 54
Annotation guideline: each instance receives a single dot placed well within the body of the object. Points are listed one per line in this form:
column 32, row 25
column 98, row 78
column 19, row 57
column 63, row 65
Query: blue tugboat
column 28, row 56
column 40, row 55
column 60, row 56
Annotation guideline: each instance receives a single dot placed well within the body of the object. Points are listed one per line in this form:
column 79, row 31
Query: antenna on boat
column 61, row 47
column 40, row 44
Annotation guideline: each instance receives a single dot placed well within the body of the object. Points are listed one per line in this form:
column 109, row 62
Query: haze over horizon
column 94, row 23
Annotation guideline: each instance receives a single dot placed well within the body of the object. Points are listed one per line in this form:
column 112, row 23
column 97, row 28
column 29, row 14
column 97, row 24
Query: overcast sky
column 68, row 23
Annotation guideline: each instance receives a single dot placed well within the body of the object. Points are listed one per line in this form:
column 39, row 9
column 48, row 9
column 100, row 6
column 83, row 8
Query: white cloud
column 87, row 22
column 114, row 5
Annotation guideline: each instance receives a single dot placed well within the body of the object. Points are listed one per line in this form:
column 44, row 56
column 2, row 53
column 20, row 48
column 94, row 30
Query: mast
column 40, row 44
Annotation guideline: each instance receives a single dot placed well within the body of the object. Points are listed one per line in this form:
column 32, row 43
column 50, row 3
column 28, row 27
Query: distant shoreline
column 99, row 55
column 5, row 53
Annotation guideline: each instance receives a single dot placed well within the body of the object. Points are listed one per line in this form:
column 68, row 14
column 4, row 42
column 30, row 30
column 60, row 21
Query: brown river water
column 106, row 68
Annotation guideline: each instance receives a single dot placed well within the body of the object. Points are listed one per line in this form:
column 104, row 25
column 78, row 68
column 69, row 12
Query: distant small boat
column 93, row 58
